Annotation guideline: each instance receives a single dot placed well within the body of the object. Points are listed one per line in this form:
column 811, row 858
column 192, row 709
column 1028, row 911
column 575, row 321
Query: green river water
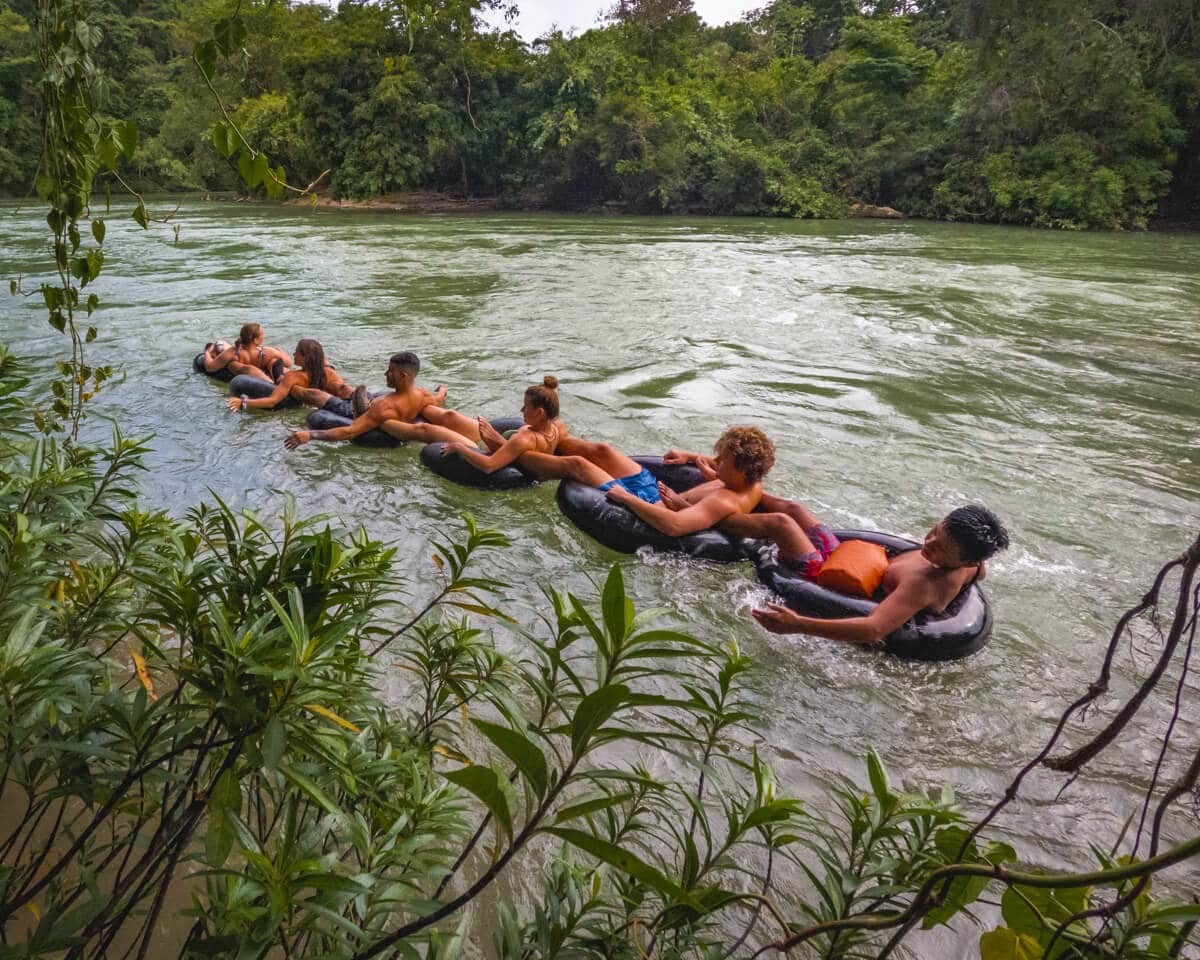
column 901, row 368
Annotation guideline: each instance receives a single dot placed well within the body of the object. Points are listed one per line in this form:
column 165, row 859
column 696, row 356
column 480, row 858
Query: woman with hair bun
column 541, row 432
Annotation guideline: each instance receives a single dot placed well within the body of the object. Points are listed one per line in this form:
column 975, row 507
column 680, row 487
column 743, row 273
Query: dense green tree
column 1067, row 113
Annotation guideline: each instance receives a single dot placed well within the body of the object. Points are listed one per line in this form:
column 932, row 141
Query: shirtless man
column 952, row 556
column 744, row 455
column 394, row 412
column 248, row 356
column 314, row 378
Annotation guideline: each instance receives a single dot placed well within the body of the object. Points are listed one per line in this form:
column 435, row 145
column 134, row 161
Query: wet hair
column 976, row 531
column 311, row 357
column 752, row 451
column 544, row 396
column 248, row 334
column 408, row 362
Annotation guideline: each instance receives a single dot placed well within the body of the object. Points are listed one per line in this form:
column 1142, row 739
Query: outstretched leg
column 797, row 511
column 546, row 466
column 779, row 528
column 606, row 457
column 311, row 396
column 420, row 432
column 460, row 424
column 237, row 367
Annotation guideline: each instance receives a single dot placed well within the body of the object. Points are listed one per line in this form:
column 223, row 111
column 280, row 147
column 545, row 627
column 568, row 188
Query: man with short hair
column 393, row 412
column 951, row 558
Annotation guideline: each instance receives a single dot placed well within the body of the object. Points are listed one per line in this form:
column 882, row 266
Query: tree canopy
column 1064, row 113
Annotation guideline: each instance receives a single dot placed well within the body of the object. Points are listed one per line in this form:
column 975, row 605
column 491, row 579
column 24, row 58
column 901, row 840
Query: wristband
column 245, row 400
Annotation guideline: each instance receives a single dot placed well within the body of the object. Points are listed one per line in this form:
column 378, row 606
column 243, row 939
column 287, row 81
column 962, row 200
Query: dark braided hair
column 977, row 532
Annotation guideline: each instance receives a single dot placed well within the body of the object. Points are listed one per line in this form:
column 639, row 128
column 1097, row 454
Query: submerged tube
column 198, row 365
column 964, row 628
column 457, row 470
column 619, row 528
column 256, row 389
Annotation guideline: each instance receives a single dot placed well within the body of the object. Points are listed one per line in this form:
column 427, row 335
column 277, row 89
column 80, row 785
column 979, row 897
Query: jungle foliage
column 1063, row 113
column 250, row 733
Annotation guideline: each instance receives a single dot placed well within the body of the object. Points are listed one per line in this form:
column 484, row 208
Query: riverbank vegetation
column 1061, row 113
column 198, row 759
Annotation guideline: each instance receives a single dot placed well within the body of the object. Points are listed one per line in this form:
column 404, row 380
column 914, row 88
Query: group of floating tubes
column 962, row 629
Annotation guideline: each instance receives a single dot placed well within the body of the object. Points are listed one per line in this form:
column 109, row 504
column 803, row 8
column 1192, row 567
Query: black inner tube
column 223, row 374
column 455, row 469
column 962, row 629
column 619, row 528
column 257, row 389
column 326, row 420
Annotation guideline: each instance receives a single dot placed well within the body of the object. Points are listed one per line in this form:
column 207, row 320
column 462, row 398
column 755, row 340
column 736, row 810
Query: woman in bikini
column 315, row 374
column 545, row 448
column 541, row 433
column 248, row 356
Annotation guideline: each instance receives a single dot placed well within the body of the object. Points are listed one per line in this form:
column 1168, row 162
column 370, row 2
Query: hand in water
column 776, row 618
column 293, row 440
column 234, row 404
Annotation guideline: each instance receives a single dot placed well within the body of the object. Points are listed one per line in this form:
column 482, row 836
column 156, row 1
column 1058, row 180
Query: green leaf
column 98, row 230
column 218, row 840
column 490, row 787
column 1038, row 911
column 252, row 167
column 229, row 34
column 106, row 150
column 140, row 215
column 205, row 56
column 587, row 807
column 274, row 742
column 593, row 711
column 627, row 863
column 307, row 786
column 126, row 135
column 520, row 750
column 273, row 182
column 91, row 334
column 1005, row 944
column 879, row 778
column 225, row 141
column 615, row 605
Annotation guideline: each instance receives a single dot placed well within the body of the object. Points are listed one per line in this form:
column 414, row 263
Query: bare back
column 937, row 585
column 403, row 406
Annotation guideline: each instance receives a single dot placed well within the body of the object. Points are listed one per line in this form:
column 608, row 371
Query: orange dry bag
column 855, row 567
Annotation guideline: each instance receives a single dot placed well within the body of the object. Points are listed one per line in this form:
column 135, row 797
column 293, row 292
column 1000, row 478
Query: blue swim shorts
column 641, row 485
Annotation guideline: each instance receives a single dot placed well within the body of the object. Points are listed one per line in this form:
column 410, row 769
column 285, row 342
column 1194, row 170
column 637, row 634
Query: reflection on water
column 902, row 369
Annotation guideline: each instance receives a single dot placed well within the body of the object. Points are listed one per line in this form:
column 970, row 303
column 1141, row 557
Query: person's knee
column 574, row 467
column 780, row 523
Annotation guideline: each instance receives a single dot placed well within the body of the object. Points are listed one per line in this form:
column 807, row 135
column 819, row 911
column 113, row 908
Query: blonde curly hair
column 751, row 450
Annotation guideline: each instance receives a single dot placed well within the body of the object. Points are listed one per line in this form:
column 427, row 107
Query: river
column 901, row 368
